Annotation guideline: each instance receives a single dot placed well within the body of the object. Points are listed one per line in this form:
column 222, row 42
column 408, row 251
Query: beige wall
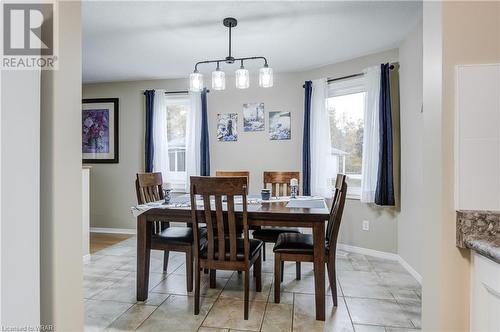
column 470, row 34
column 112, row 187
column 61, row 180
column 412, row 191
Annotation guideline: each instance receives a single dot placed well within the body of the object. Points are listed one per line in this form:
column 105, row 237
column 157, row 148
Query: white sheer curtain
column 371, row 135
column 193, row 137
column 161, row 161
column 323, row 167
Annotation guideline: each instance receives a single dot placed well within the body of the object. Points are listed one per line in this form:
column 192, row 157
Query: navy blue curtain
column 149, row 147
column 384, row 194
column 204, row 148
column 306, row 145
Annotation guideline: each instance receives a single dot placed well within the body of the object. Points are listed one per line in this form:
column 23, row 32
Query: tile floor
column 374, row 295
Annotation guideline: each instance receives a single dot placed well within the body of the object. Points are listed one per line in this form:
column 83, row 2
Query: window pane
column 177, row 111
column 171, row 160
column 346, row 129
column 176, row 125
column 181, row 161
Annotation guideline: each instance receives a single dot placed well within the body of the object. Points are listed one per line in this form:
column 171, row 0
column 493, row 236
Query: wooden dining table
column 261, row 214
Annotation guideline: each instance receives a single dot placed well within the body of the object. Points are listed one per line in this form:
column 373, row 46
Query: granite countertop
column 479, row 231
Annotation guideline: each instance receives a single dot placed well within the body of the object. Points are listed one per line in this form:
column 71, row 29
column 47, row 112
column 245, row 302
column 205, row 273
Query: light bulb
column 265, row 77
column 218, row 80
column 242, row 78
column 195, row 81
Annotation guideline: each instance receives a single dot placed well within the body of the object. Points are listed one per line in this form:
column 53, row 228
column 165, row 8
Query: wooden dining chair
column 223, row 249
column 280, row 186
column 149, row 188
column 280, row 182
column 300, row 247
column 238, row 173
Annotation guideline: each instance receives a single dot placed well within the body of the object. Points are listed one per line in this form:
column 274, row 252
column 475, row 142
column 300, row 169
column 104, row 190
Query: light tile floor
column 374, row 295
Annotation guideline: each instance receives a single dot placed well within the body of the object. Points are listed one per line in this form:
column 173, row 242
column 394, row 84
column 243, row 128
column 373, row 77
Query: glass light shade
column 218, row 80
column 242, row 78
column 265, row 77
column 195, row 82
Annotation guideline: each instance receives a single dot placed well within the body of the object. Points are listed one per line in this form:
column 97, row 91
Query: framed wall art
column 100, row 131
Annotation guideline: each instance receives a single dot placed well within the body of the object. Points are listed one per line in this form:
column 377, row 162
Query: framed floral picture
column 100, row 130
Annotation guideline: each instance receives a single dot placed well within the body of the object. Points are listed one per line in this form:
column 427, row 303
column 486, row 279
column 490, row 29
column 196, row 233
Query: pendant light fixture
column 218, row 79
column 242, row 75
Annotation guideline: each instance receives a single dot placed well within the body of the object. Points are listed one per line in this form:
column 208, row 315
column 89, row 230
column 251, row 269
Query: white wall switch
column 366, row 225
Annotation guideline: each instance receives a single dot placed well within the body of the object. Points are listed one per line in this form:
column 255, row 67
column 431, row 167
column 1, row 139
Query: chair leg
column 213, row 275
column 205, row 271
column 282, row 270
column 247, row 289
column 257, row 270
column 297, row 270
column 197, row 289
column 332, row 278
column 277, row 277
column 189, row 270
column 264, row 252
column 165, row 260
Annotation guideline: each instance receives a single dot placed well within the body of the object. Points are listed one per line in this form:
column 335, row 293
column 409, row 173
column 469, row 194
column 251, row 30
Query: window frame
column 346, row 87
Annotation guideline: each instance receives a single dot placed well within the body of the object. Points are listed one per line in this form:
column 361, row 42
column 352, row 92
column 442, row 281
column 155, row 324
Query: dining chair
column 280, row 183
column 299, row 247
column 238, row 173
column 223, row 249
column 149, row 188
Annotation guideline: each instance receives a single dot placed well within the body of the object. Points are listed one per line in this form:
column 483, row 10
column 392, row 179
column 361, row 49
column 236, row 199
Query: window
column 346, row 106
column 178, row 107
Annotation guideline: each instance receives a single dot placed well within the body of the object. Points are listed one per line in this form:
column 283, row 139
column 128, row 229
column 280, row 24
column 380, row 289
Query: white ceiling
column 125, row 40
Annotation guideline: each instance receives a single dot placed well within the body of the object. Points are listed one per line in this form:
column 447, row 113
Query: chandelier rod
column 229, row 56
column 233, row 60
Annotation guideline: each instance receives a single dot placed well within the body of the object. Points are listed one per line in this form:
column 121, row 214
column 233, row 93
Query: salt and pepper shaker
column 167, row 190
column 294, row 188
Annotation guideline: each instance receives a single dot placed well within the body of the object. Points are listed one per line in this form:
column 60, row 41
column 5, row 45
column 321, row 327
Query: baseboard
column 112, row 230
column 369, row 252
column 86, row 258
column 382, row 254
column 410, row 270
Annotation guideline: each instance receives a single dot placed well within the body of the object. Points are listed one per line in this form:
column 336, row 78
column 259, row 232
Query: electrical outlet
column 366, row 225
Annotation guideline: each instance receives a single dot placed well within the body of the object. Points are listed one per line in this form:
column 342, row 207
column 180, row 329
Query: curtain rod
column 174, row 92
column 355, row 75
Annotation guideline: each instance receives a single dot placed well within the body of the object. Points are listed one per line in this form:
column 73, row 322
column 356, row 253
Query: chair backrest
column 149, row 187
column 229, row 187
column 333, row 227
column 233, row 173
column 279, row 181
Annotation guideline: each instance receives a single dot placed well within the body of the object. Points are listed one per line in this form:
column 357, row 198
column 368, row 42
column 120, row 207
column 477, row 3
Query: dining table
column 275, row 212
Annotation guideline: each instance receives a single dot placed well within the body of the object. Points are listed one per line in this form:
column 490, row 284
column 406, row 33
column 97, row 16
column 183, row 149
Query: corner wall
column 412, row 188
column 19, row 198
column 61, row 180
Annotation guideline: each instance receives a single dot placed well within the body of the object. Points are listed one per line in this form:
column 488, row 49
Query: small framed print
column 100, row 131
column 280, row 126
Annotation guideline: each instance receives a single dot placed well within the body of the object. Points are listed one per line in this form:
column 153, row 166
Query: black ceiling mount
column 230, row 22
